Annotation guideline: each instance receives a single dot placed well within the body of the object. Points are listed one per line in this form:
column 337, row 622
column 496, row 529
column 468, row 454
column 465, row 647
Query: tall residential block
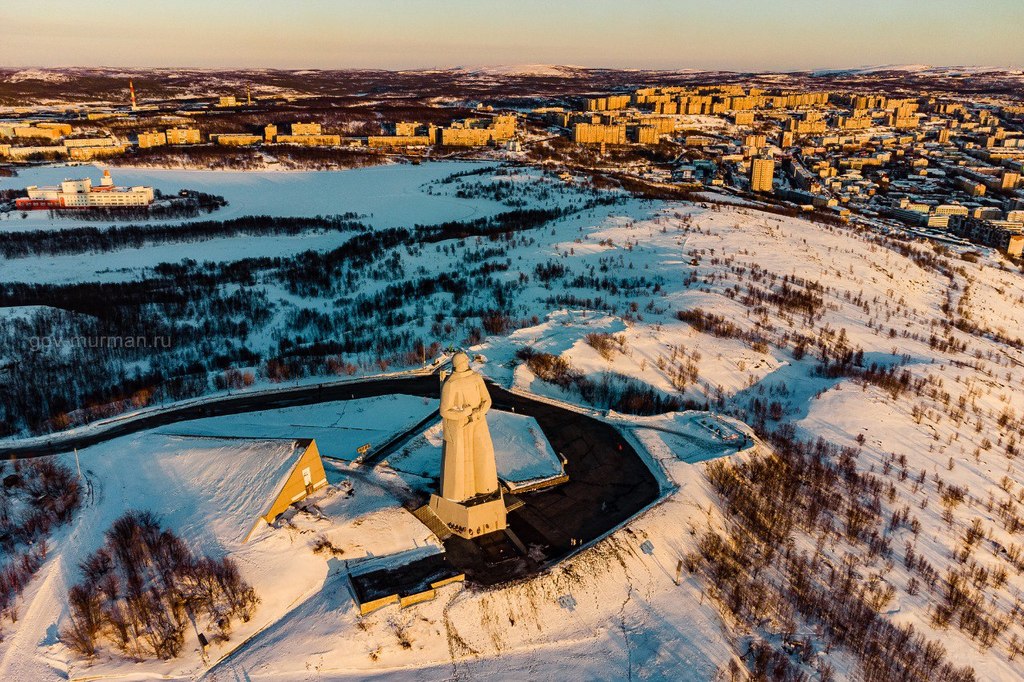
column 597, row 133
column 762, row 172
column 743, row 118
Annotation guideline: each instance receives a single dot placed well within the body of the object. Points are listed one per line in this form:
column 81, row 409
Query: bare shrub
column 755, row 573
column 605, row 344
column 40, row 496
column 140, row 590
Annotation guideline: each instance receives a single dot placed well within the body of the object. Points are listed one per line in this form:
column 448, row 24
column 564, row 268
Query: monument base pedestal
column 471, row 518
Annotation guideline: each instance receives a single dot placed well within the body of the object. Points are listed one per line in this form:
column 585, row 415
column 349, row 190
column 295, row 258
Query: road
column 233, row 404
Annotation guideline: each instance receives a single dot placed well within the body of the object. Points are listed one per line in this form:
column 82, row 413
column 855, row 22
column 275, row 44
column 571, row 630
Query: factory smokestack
column 131, row 89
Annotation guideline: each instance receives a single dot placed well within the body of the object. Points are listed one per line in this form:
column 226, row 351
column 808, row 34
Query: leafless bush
column 324, row 546
column 608, row 390
column 37, row 497
column 757, row 576
column 553, row 369
column 606, row 344
column 140, row 590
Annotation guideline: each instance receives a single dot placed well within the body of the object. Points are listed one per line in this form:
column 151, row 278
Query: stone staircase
column 429, row 519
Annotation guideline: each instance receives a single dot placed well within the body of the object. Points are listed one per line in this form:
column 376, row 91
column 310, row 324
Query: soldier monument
column 470, row 502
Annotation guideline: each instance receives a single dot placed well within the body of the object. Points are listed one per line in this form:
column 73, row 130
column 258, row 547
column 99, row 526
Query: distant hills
column 20, row 87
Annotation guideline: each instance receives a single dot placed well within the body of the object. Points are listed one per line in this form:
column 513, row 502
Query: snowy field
column 340, row 427
column 212, row 488
column 956, row 425
column 211, row 492
column 383, row 196
column 127, row 264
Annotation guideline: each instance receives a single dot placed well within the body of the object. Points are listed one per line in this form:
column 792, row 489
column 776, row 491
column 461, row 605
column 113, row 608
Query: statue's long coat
column 467, row 457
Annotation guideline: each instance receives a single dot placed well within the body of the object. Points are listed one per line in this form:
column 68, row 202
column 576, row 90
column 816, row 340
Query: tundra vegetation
column 821, row 537
column 36, row 498
column 144, row 588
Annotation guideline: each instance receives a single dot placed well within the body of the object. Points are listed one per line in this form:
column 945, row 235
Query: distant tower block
column 131, row 89
column 248, row 96
column 762, row 173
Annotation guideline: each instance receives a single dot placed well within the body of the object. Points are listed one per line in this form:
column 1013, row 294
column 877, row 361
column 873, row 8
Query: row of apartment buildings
column 470, row 132
column 846, row 153
column 48, row 140
column 52, row 140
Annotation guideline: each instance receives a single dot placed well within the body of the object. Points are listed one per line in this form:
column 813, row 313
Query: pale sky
column 395, row 34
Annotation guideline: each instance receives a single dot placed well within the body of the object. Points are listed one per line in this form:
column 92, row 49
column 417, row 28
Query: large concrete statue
column 470, row 502
column 467, row 458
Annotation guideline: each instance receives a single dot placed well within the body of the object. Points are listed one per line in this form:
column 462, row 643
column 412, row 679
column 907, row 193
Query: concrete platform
column 405, row 585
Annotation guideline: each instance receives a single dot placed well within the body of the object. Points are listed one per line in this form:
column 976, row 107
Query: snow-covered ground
column 613, row 612
column 211, row 491
column 383, row 196
column 958, row 424
column 954, row 423
column 211, row 487
column 340, row 427
column 129, row 263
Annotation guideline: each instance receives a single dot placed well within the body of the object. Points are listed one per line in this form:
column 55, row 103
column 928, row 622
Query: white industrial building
column 82, row 194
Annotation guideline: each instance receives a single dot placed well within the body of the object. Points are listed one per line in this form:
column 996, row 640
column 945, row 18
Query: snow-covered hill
column 905, row 359
column 544, row 70
column 917, row 69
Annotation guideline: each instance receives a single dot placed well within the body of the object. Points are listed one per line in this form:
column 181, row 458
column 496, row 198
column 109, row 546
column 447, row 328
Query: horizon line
column 861, row 67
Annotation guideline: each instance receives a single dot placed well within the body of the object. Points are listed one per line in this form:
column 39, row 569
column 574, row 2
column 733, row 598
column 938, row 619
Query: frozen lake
column 389, row 195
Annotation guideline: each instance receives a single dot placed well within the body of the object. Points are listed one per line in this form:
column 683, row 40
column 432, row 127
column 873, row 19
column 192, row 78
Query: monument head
column 460, row 362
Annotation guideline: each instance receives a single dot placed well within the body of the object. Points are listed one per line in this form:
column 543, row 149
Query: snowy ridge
column 922, row 69
column 546, row 70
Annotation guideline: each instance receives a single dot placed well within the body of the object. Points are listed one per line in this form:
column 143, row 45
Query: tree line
column 75, row 240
